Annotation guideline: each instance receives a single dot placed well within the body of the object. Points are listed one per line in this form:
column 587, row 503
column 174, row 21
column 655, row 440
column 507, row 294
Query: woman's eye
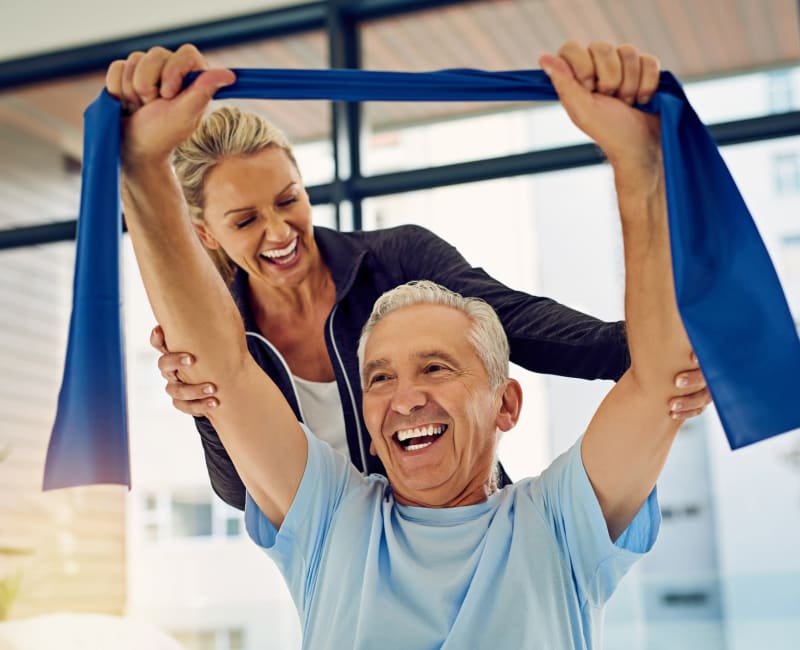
column 287, row 202
column 244, row 222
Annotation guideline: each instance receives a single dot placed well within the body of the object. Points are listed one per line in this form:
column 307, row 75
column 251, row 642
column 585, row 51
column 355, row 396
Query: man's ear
column 205, row 236
column 510, row 405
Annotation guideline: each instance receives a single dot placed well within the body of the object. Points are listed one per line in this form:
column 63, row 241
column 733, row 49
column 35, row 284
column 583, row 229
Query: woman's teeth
column 280, row 255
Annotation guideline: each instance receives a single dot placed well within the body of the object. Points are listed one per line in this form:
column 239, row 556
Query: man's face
column 430, row 411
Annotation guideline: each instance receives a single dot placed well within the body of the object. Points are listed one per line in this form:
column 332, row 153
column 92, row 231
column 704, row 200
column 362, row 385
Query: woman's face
column 258, row 212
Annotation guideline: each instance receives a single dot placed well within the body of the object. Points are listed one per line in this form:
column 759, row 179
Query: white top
column 322, row 410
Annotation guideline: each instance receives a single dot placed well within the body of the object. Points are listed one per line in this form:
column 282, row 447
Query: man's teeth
column 413, row 439
column 420, row 432
column 280, row 252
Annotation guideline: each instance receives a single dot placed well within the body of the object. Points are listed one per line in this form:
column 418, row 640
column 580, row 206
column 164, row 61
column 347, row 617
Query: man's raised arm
column 187, row 294
column 628, row 439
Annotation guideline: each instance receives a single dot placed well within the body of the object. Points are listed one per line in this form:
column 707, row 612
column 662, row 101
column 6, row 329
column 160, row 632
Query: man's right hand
column 161, row 112
column 193, row 399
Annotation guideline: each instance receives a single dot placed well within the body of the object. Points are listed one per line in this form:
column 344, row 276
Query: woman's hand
column 193, row 399
column 161, row 113
column 693, row 397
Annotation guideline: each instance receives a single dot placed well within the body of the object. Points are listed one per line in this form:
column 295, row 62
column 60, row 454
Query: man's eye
column 244, row 222
column 435, row 367
column 377, row 379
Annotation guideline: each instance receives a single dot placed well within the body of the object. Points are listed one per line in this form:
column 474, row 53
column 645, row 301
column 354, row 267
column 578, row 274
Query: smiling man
column 435, row 556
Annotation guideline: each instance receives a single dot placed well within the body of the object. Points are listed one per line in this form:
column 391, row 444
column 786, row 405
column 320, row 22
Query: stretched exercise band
column 728, row 293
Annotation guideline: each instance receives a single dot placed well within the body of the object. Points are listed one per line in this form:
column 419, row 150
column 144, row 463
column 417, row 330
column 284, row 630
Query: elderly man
column 435, row 556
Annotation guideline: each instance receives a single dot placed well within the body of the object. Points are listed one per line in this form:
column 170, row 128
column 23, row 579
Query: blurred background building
column 515, row 187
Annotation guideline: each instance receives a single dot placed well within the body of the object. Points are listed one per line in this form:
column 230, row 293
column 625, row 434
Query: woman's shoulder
column 407, row 231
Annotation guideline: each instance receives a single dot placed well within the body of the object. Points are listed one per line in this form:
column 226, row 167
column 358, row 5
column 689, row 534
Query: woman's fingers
column 194, row 399
column 196, row 408
column 170, row 363
column 157, row 339
column 688, row 406
column 690, row 379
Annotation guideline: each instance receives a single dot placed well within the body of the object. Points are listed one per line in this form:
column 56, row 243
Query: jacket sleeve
column 224, row 479
column 545, row 336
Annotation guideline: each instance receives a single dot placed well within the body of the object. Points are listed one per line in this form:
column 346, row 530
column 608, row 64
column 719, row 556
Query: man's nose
column 408, row 397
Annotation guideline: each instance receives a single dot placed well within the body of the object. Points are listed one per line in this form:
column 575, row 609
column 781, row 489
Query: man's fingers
column 114, row 78
column 187, row 58
column 630, row 62
column 147, row 75
column 580, row 60
column 574, row 97
column 649, row 77
column 607, row 67
column 130, row 100
column 193, row 101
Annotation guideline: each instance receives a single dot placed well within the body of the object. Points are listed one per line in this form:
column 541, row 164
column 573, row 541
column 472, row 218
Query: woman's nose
column 276, row 229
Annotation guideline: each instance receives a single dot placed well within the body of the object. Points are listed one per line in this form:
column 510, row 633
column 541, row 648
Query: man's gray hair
column 486, row 334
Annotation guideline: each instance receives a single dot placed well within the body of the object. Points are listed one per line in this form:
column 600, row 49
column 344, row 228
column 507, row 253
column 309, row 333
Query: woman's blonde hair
column 224, row 133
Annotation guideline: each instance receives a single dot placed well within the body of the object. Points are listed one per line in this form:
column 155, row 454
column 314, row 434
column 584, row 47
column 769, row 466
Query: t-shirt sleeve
column 299, row 543
column 571, row 506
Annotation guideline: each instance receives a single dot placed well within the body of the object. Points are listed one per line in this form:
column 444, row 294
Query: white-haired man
column 435, row 556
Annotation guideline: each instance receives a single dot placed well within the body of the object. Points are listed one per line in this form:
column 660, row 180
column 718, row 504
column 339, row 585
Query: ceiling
column 693, row 38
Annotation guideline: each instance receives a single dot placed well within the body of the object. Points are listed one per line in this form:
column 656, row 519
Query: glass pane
column 41, row 129
column 190, row 517
column 233, row 527
column 512, row 34
column 236, row 640
column 307, row 123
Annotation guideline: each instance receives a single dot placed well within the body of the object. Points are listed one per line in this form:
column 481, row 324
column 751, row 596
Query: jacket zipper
column 349, row 392
column 274, row 350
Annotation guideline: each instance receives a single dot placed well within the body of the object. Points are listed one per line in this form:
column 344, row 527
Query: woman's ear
column 510, row 405
column 205, row 236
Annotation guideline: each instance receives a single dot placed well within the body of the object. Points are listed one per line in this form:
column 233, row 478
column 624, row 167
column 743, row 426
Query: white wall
column 29, row 27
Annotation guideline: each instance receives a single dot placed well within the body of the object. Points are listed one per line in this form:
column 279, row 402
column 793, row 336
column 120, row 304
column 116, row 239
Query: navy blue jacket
column 544, row 336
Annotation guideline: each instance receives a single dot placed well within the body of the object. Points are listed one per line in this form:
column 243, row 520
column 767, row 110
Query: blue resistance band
column 728, row 293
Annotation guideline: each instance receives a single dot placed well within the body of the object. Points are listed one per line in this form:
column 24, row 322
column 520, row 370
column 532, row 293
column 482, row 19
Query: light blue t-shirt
column 531, row 567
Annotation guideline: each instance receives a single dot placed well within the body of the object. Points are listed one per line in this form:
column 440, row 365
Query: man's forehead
column 419, row 332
